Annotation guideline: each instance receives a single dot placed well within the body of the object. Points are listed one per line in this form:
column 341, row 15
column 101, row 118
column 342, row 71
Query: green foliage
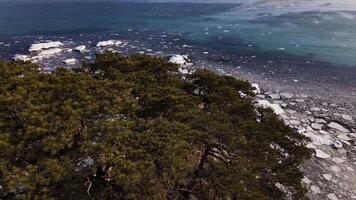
column 134, row 128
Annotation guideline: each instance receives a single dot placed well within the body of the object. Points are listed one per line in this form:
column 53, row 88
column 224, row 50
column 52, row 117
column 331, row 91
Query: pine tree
column 131, row 127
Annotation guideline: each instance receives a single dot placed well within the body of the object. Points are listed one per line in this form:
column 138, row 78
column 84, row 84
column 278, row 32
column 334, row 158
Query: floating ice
column 43, row 46
column 109, row 43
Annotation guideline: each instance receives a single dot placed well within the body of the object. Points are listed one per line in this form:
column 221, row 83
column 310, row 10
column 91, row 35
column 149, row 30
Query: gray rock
column 337, row 160
column 316, row 126
column 294, row 122
column 320, row 121
column 344, row 137
column 275, row 96
column 311, row 118
column 335, row 168
column 347, row 117
column 321, row 154
column 332, row 196
column 261, row 96
column 328, row 176
column 315, row 109
column 315, row 189
column 338, row 127
column 286, row 95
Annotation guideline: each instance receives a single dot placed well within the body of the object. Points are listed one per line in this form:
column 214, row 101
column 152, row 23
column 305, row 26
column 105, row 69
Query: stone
column 315, row 189
column 344, row 137
column 316, row 126
column 328, row 176
column 338, row 160
column 335, row 168
column 338, row 127
column 347, row 117
column 320, row 121
column 332, row 196
column 306, row 180
column 294, row 122
column 286, row 95
column 261, row 96
column 275, row 96
column 315, row 109
column 311, row 118
column 321, row 154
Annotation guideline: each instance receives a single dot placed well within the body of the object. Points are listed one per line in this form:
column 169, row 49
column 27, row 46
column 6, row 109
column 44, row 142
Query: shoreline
column 323, row 111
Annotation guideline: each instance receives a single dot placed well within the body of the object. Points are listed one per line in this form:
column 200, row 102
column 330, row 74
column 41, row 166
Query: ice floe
column 43, row 46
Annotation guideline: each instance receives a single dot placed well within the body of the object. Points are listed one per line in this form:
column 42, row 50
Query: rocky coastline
column 329, row 174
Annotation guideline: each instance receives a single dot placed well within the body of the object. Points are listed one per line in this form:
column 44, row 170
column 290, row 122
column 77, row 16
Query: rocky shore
column 330, row 174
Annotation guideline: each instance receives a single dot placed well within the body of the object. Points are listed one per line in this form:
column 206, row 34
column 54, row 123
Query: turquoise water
column 317, row 30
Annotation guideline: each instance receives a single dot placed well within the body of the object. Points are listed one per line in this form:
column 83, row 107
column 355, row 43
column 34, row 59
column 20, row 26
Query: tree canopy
column 132, row 127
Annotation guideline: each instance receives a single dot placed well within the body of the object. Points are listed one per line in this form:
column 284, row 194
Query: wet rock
column 338, row 127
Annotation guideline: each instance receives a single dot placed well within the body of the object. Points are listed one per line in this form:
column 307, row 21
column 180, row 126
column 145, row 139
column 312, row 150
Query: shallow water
column 314, row 30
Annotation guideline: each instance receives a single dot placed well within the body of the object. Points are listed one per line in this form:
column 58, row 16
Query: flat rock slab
column 338, row 127
column 321, row 154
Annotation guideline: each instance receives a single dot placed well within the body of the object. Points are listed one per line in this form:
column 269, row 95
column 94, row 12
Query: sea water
column 316, row 30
